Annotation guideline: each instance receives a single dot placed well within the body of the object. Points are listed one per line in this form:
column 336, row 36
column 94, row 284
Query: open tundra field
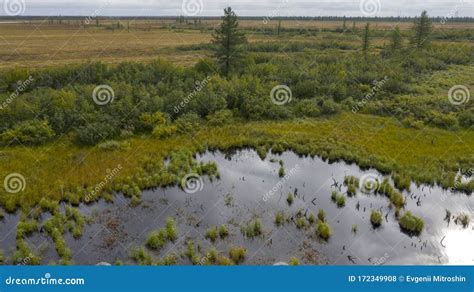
column 40, row 43
column 199, row 141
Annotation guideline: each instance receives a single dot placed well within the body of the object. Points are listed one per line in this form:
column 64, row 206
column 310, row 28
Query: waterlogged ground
column 250, row 188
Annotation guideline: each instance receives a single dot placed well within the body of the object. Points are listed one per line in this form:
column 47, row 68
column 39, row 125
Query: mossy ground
column 425, row 156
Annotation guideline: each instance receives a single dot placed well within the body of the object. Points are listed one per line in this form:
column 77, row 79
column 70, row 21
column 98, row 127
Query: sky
column 269, row 8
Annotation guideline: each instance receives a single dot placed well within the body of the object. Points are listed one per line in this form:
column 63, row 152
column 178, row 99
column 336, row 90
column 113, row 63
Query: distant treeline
column 300, row 18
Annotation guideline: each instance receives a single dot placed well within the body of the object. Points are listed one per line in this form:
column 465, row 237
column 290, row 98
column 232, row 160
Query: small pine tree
column 279, row 27
column 365, row 38
column 422, row 30
column 344, row 25
column 228, row 40
column 396, row 39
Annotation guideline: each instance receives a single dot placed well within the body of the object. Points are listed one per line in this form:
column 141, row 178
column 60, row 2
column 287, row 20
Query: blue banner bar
column 318, row 278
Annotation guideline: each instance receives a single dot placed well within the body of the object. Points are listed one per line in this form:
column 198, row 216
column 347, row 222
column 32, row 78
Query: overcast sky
column 242, row 7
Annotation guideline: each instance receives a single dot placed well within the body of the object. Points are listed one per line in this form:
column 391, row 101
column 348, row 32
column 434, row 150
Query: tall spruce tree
column 228, row 39
column 422, row 30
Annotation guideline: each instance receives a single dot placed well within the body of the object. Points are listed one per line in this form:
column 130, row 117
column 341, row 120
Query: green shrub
column 385, row 188
column 223, row 231
column 300, row 222
column 376, row 218
column 164, row 131
column 150, row 121
column 290, row 199
column 323, row 230
column 463, row 219
column 397, row 199
column 188, row 123
column 171, row 231
column 401, row 182
column 321, row 215
column 220, row 118
column 32, row 132
column 411, row 224
column 281, row 171
column 156, row 240
column 354, row 228
column 294, row 262
column 338, row 198
column 141, row 256
column 279, row 218
column 170, row 260
column 351, row 190
column 237, row 254
column 212, row 233
column 311, row 218
column 252, row 229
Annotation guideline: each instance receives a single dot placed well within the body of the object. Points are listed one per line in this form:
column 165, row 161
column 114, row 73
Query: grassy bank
column 60, row 169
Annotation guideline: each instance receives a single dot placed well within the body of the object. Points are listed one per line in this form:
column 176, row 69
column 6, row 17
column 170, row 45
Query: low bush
column 323, row 230
column 237, row 254
column 376, row 218
column 411, row 224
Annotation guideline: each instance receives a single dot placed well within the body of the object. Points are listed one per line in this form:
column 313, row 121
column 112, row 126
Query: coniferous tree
column 396, row 39
column 422, row 30
column 228, row 40
column 365, row 38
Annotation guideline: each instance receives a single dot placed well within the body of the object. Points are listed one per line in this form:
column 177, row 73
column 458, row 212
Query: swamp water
column 250, row 188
